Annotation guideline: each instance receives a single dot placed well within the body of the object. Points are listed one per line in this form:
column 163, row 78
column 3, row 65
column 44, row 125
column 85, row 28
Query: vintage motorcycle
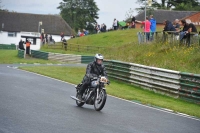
column 95, row 94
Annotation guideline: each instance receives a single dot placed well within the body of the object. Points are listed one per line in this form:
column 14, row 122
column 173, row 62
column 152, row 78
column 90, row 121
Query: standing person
column 21, row 45
column 42, row 38
column 133, row 22
column 62, row 35
column 152, row 27
column 94, row 69
column 46, row 38
column 146, row 25
column 28, row 44
column 115, row 24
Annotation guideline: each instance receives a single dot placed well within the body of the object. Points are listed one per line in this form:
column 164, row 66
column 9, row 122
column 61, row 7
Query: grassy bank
column 10, row 57
column 122, row 45
column 74, row 75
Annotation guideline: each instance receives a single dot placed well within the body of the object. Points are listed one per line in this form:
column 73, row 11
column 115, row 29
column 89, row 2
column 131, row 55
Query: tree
column 79, row 13
column 129, row 14
column 173, row 4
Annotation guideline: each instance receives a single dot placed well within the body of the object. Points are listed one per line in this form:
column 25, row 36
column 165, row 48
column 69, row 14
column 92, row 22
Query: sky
column 109, row 9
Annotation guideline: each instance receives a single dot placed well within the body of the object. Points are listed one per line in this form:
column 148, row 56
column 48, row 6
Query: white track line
column 162, row 110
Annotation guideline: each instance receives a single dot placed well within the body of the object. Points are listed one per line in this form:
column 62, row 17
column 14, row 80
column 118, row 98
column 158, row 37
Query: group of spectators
column 21, row 46
column 46, row 38
column 82, row 33
column 149, row 26
column 100, row 28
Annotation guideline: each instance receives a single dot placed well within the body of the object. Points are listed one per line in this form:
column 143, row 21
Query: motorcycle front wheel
column 100, row 100
column 80, row 104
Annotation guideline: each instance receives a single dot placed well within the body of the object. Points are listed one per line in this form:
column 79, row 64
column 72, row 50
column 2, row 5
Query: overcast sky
column 109, row 9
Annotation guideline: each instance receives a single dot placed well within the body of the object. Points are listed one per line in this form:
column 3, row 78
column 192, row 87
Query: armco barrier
column 21, row 53
column 65, row 57
column 8, row 47
column 61, row 57
column 159, row 80
column 190, row 87
column 86, row 59
column 39, row 54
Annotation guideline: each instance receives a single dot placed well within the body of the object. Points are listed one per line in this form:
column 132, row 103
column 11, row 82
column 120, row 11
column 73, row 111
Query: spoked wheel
column 100, row 100
column 80, row 104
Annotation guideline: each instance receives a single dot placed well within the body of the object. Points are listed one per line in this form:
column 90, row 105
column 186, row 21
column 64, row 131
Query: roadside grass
column 117, row 88
column 10, row 57
column 123, row 45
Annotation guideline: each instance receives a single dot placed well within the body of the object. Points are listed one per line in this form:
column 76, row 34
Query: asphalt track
column 31, row 103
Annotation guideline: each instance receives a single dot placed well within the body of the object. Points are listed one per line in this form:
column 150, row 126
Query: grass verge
column 116, row 88
column 11, row 57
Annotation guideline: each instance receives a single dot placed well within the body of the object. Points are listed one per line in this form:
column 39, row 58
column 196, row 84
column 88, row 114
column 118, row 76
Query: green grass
column 11, row 57
column 116, row 88
column 122, row 45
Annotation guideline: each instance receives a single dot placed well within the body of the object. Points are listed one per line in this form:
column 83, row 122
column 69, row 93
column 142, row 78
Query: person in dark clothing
column 21, row 45
column 133, row 22
column 94, row 69
column 64, row 43
column 168, row 26
column 188, row 30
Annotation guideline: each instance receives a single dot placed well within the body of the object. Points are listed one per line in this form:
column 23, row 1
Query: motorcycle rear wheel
column 99, row 103
column 78, row 103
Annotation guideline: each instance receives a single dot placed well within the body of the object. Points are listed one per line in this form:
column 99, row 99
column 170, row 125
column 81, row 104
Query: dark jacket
column 169, row 26
column 94, row 70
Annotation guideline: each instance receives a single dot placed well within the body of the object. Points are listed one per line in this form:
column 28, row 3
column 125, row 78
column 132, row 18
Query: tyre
column 80, row 104
column 100, row 102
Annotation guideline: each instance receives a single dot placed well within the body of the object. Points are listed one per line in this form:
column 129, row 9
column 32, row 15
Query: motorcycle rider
column 94, row 69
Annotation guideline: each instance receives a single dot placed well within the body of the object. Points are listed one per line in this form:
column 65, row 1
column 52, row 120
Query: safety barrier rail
column 190, row 87
column 65, row 58
column 8, row 46
column 156, row 79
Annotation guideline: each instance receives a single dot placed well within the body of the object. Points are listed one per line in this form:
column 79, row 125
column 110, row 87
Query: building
column 171, row 15
column 16, row 26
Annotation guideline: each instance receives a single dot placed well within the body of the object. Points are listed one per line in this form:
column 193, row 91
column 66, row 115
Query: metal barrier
column 156, row 79
column 65, row 57
column 21, row 53
column 7, row 46
column 190, row 87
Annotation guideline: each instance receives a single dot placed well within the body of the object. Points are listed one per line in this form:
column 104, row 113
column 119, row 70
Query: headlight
column 94, row 84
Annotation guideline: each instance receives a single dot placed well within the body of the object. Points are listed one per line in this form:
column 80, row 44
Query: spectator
column 187, row 30
column 62, row 35
column 46, row 38
column 168, row 26
column 28, row 44
column 21, row 45
column 115, row 24
column 152, row 27
column 50, row 38
column 65, row 43
column 104, row 27
column 82, row 34
column 133, row 22
column 146, row 25
column 85, row 32
column 42, row 38
column 177, row 27
column 79, row 33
